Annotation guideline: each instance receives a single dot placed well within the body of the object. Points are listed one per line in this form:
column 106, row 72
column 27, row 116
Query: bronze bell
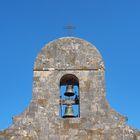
column 68, row 111
column 69, row 91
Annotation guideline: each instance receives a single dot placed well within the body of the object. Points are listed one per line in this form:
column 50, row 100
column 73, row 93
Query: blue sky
column 112, row 26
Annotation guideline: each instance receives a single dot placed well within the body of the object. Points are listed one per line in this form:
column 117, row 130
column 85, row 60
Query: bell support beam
column 69, row 101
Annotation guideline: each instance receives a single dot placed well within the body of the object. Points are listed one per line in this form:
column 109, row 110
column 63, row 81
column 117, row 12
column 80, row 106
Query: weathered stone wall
column 68, row 53
column 41, row 120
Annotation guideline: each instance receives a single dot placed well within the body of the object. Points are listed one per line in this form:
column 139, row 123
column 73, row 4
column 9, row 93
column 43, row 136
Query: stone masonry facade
column 41, row 120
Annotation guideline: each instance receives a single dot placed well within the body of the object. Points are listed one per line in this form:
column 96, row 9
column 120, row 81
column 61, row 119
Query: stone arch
column 65, row 78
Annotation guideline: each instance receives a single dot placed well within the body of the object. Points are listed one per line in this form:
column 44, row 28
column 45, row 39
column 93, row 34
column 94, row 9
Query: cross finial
column 69, row 28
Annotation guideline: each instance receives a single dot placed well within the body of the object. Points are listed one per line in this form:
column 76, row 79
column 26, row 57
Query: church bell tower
column 68, row 101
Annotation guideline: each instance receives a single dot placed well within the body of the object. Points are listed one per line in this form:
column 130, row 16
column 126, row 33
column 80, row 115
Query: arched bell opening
column 69, row 97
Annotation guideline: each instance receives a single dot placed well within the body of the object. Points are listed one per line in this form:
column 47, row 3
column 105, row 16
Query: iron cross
column 69, row 28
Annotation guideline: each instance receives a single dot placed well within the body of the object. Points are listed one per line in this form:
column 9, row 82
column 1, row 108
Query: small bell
column 69, row 91
column 68, row 112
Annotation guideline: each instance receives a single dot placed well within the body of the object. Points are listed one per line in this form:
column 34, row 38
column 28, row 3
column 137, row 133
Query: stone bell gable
column 69, row 54
column 73, row 64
